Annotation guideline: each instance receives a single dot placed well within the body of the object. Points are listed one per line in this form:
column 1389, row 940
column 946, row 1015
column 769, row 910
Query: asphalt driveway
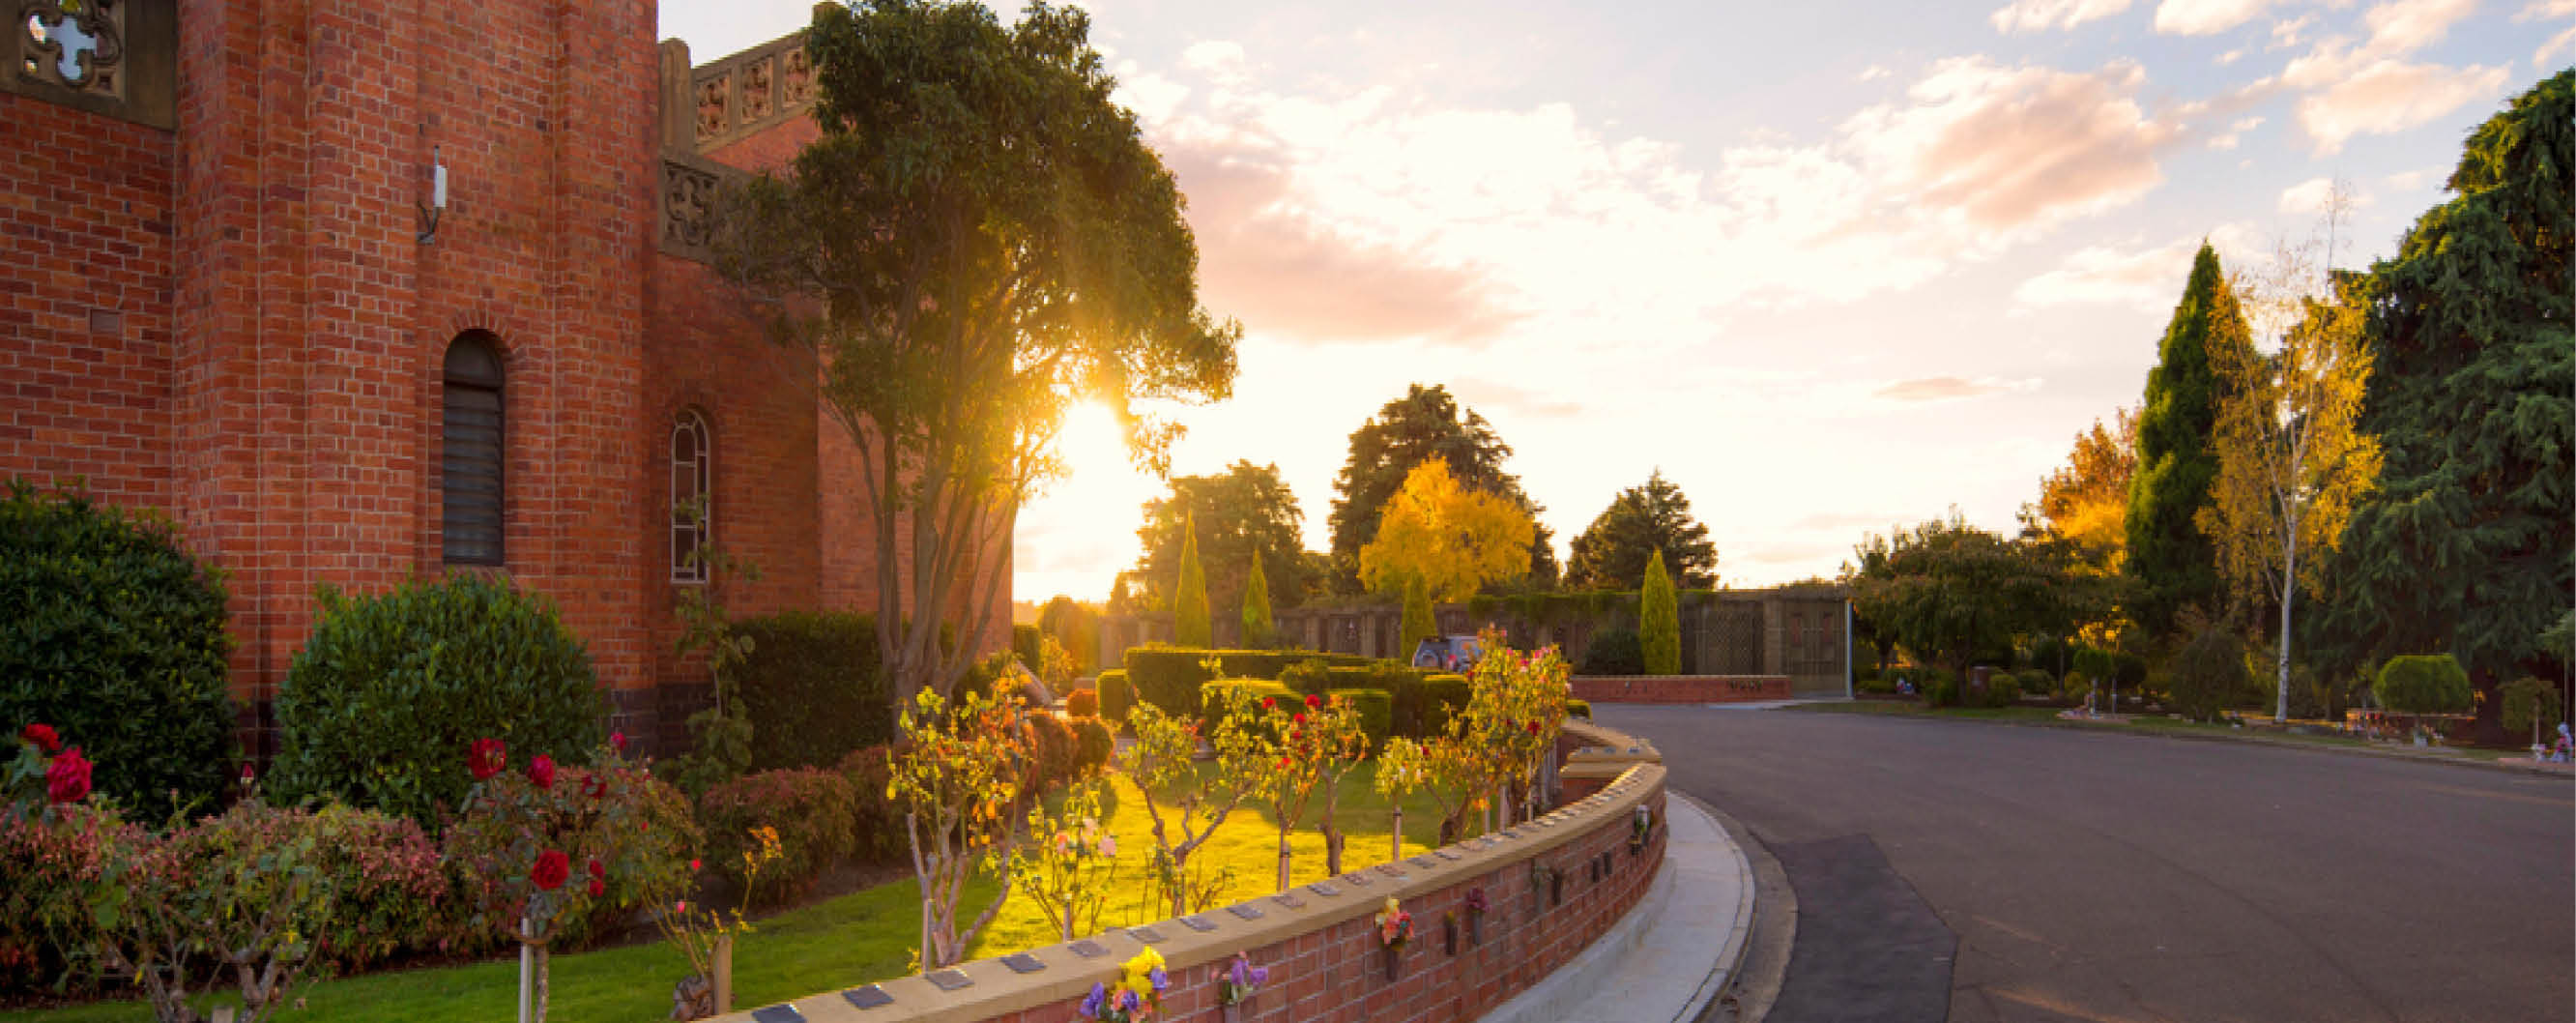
column 1974, row 871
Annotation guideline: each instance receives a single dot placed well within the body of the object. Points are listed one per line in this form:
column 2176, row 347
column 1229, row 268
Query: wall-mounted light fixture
column 437, row 198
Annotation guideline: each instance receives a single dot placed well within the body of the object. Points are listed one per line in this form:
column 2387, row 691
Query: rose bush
column 815, row 814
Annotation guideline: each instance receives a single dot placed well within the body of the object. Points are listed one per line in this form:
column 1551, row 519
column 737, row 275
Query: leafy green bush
column 1613, row 652
column 51, row 867
column 1443, row 697
column 815, row 815
column 1579, row 709
column 1313, row 675
column 1214, row 698
column 1939, row 688
column 1873, row 684
column 879, row 836
column 1169, row 676
column 113, row 635
column 2036, row 680
column 2002, row 690
column 1093, row 745
column 2423, row 684
column 1116, row 695
column 389, row 691
column 1082, row 703
column 2208, row 674
column 813, row 688
column 1027, row 646
column 1050, row 746
column 2529, row 703
column 393, row 893
column 1377, row 713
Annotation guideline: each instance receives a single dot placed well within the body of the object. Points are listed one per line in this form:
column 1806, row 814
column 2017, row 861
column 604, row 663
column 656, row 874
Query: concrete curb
column 1676, row 950
column 2504, row 764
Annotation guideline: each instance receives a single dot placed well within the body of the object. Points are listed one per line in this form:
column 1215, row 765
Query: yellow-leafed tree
column 2292, row 460
column 2086, row 500
column 1454, row 539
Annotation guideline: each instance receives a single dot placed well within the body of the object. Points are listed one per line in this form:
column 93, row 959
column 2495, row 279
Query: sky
column 1832, row 267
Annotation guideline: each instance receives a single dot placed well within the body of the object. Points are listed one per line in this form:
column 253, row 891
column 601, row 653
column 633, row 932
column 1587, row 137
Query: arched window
column 470, row 452
column 693, row 496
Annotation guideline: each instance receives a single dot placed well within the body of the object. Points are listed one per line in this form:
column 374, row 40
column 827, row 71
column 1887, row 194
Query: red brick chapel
column 223, row 296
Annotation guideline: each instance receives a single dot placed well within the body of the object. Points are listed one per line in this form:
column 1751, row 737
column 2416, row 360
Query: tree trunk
column 1283, row 859
column 2289, row 592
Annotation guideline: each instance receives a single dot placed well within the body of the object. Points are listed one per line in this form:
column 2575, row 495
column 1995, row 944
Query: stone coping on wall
column 1681, row 688
column 1001, row 987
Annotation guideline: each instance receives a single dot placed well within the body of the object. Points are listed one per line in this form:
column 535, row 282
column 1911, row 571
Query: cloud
column 1488, row 394
column 2564, row 41
column 2205, row 17
column 1213, row 56
column 1949, row 388
column 2286, row 34
column 2309, row 197
column 2145, row 279
column 1874, row 72
column 2040, row 15
column 2370, row 89
column 2235, row 133
column 2013, row 147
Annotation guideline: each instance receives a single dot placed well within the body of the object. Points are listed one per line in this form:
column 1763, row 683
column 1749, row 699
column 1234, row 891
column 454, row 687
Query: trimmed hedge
column 1093, row 744
column 380, row 705
column 112, row 634
column 2423, row 684
column 1444, row 697
column 1579, row 709
column 813, row 688
column 1169, row 676
column 1614, row 652
column 1116, row 695
column 1377, row 713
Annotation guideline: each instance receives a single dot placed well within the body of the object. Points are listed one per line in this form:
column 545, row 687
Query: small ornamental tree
column 1071, row 861
column 1440, row 767
column 2530, row 705
column 956, row 784
column 1289, row 783
column 1257, row 624
column 1161, row 761
column 1515, row 705
column 1338, row 742
column 1659, row 620
column 1191, row 624
column 546, row 849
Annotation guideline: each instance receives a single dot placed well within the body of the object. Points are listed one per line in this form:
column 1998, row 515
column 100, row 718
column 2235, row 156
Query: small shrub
column 379, row 707
column 1116, row 695
column 2423, row 684
column 1311, row 676
column 44, row 907
column 1051, row 747
column 392, row 894
column 1082, row 703
column 813, row 688
column 1614, row 652
column 1939, row 689
column 111, row 633
column 1377, row 713
column 1093, row 744
column 637, row 827
column 814, row 813
column 2002, row 690
column 1579, row 709
column 2529, row 703
column 877, row 836
column 2036, row 681
column 1873, row 684
column 1215, row 696
column 2208, row 673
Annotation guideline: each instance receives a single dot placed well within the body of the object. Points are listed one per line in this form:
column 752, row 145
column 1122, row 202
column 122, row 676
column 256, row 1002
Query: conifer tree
column 2174, row 564
column 1257, row 625
column 1191, row 624
column 1659, row 620
column 2469, row 543
column 1419, row 623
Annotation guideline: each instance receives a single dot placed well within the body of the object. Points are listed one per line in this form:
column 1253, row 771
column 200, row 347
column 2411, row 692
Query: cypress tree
column 1659, row 620
column 1191, row 624
column 1257, row 625
column 1419, row 623
column 2469, row 544
column 2174, row 564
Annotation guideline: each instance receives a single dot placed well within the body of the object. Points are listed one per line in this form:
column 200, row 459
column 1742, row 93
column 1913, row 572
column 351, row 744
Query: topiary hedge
column 2423, row 684
column 813, row 688
column 1578, row 709
column 1116, row 694
column 113, row 635
column 1169, row 677
column 1443, row 698
column 380, row 705
column 1613, row 652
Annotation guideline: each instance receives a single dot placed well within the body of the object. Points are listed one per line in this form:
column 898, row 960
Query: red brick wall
column 1680, row 688
column 85, row 290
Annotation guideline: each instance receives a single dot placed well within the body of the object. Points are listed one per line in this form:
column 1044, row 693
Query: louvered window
column 470, row 452
column 693, row 510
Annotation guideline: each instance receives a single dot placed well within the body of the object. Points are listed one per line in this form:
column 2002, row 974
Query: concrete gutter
column 1676, row 951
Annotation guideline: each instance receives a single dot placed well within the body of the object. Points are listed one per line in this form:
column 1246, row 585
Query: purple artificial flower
column 1260, row 976
column 1242, row 979
column 1158, row 978
column 1096, row 1001
column 1128, row 1002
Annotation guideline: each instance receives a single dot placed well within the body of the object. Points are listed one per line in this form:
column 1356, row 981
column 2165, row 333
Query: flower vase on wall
column 1394, row 961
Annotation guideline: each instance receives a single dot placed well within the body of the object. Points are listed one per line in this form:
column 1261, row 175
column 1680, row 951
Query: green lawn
column 863, row 936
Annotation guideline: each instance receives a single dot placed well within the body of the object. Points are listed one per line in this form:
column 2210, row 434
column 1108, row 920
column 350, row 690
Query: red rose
column 1533, row 728
column 593, row 785
column 541, row 770
column 551, row 869
column 247, row 775
column 44, row 738
column 598, row 888
column 1313, row 700
column 693, row 866
column 67, row 778
column 1300, row 718
column 617, row 741
column 486, row 758
column 596, row 870
column 1268, row 703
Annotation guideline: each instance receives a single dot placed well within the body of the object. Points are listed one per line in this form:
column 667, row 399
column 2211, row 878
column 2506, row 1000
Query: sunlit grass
column 855, row 938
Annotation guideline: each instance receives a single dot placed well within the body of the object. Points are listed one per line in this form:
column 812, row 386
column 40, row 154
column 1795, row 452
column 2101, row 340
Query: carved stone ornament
column 797, row 75
column 756, row 91
column 76, row 44
column 713, row 118
column 688, row 206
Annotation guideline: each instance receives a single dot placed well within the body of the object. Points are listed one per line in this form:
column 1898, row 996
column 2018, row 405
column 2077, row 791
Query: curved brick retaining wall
column 1318, row 941
column 1681, row 688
